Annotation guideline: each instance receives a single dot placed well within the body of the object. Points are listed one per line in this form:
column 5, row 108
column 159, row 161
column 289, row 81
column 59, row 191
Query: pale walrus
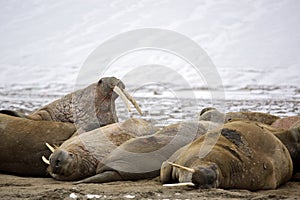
column 22, row 143
column 141, row 158
column 246, row 156
column 79, row 156
column 88, row 108
column 287, row 122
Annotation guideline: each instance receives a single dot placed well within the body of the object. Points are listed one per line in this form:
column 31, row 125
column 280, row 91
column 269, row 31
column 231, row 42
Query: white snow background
column 254, row 44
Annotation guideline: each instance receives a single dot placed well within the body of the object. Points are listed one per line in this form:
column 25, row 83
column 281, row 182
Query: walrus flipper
column 107, row 176
column 13, row 113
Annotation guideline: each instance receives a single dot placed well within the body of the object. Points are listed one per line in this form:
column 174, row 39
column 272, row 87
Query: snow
column 252, row 43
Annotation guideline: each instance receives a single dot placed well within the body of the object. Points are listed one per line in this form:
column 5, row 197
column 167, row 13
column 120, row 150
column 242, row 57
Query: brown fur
column 212, row 114
column 252, row 116
column 247, row 155
column 141, row 158
column 22, row 143
column 79, row 156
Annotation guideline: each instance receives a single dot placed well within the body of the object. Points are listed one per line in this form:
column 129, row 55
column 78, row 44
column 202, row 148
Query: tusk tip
column 52, row 149
column 190, row 184
column 45, row 160
column 181, row 167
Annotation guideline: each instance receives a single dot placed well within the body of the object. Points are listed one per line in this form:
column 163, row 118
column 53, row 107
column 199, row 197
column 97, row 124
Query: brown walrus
column 22, row 143
column 291, row 139
column 246, row 156
column 141, row 158
column 88, row 108
column 212, row 114
column 79, row 156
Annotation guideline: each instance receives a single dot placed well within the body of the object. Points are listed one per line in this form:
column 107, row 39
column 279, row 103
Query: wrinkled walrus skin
column 22, row 143
column 141, row 158
column 287, row 122
column 246, row 156
column 79, row 156
column 89, row 108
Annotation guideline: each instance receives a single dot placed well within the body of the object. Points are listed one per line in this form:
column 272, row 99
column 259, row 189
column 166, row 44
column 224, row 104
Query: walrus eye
column 71, row 155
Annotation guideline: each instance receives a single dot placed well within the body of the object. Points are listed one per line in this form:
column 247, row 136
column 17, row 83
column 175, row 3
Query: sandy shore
column 14, row 187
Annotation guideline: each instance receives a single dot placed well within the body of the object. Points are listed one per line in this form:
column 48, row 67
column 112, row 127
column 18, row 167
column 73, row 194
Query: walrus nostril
column 57, row 160
column 57, row 163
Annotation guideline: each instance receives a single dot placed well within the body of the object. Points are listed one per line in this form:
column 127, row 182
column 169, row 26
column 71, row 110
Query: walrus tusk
column 123, row 97
column 45, row 160
column 182, row 167
column 50, row 147
column 179, row 184
column 133, row 101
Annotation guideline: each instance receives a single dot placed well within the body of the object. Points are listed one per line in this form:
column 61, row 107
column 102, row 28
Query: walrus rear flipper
column 107, row 176
column 13, row 113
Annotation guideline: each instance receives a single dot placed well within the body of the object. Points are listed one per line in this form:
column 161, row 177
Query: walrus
column 141, row 157
column 252, row 116
column 291, row 139
column 246, row 156
column 79, row 156
column 88, row 108
column 212, row 114
column 22, row 143
column 287, row 122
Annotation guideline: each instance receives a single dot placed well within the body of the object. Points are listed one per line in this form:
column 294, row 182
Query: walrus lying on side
column 247, row 155
column 79, row 156
column 88, row 108
column 141, row 158
column 22, row 143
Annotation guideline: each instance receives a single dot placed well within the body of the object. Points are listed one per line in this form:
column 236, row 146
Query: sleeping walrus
column 88, row 108
column 79, row 156
column 141, row 157
column 22, row 143
column 247, row 155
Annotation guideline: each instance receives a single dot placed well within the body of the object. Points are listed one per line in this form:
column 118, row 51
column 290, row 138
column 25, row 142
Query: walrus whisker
column 182, row 167
column 179, row 184
column 50, row 147
column 45, row 160
column 123, row 97
column 133, row 101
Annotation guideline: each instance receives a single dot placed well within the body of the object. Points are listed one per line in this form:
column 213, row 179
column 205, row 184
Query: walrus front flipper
column 107, row 176
column 13, row 113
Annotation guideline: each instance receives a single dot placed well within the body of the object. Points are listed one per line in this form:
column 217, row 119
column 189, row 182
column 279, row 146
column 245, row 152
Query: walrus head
column 94, row 106
column 71, row 164
column 204, row 176
column 111, row 87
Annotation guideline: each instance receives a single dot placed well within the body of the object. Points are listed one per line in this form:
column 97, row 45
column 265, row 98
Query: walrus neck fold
column 291, row 139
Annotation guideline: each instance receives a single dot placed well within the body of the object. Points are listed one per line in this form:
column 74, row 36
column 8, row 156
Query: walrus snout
column 108, row 83
column 59, row 160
